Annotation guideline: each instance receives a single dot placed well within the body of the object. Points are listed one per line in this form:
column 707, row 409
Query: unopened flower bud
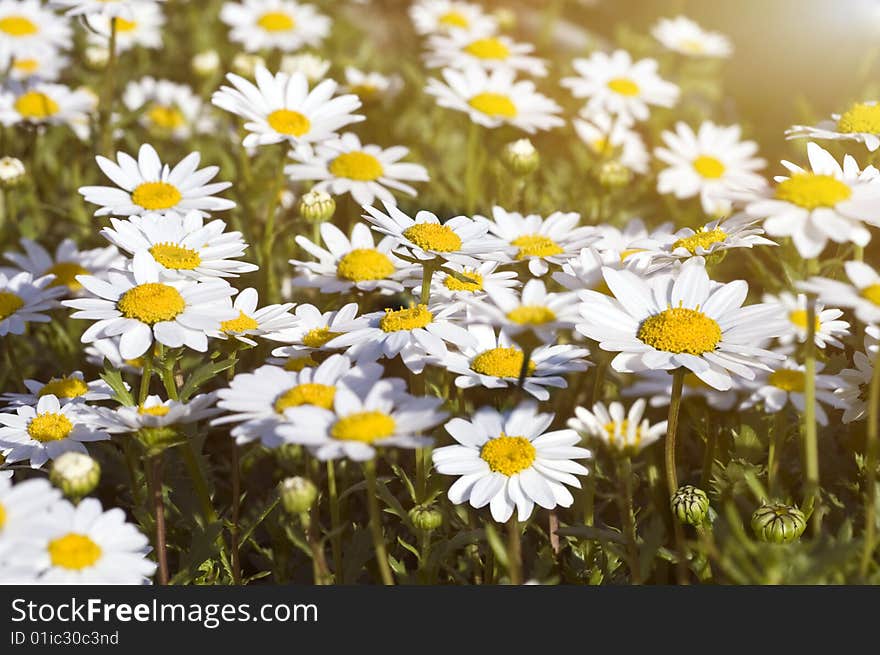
column 206, row 62
column 297, row 494
column 157, row 439
column 776, row 523
column 690, row 505
column 520, row 157
column 76, row 474
column 96, row 57
column 245, row 63
column 613, row 175
column 12, row 172
column 425, row 517
column 317, row 206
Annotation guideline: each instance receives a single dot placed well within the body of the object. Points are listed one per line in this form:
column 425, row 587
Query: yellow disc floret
column 365, row 427
column 155, row 410
column 488, row 48
column 811, row 190
column 871, row 293
column 799, row 318
column 702, row 239
column 357, row 165
column 65, row 275
column 276, row 21
column 289, row 122
column 472, row 283
column 681, row 330
column 508, row 455
column 166, row 117
column 171, row 255
column 36, row 105
column 788, row 380
column 624, row 86
column 409, row 318
column 18, row 26
column 9, row 304
column 66, row 387
column 74, row 551
column 242, row 323
column 364, row 264
column 536, row 245
column 709, row 167
column 501, row 363
column 308, row 393
column 433, row 236
column 496, row 105
column 156, row 195
column 151, row 303
column 49, row 427
column 318, row 337
column 860, row 118
column 531, row 315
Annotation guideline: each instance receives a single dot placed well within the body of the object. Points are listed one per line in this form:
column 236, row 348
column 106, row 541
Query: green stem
column 870, row 538
column 269, row 231
column 146, row 375
column 236, row 510
column 514, row 551
column 472, row 167
column 159, row 516
column 811, row 439
column 627, row 517
column 709, row 455
column 428, row 268
column 672, row 429
column 335, row 522
column 777, row 442
column 191, row 461
column 108, row 93
column 524, row 368
column 376, row 523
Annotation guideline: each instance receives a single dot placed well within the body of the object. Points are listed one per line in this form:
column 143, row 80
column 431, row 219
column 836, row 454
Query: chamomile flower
column 774, row 390
column 508, row 461
column 270, row 322
column 861, row 294
column 371, row 86
column 859, row 123
column 274, row 24
column 147, row 185
column 684, row 36
column 158, row 413
column 47, row 104
column 738, row 231
column 21, row 506
column 709, row 163
column 166, row 108
column 414, row 333
column 40, row 432
column 66, row 388
column 619, row 430
column 829, row 330
column 24, row 299
column 495, row 362
column 445, row 16
column 681, row 319
column 142, row 308
column 367, row 172
column 27, row 28
column 350, row 263
column 44, row 64
column 656, row 386
column 607, row 137
column 182, row 246
column 313, row 332
column 312, row 66
column 470, row 283
column 257, row 401
column 624, row 241
column 357, row 424
column 495, row 98
column 855, row 387
column 827, row 202
column 91, row 8
column 614, row 84
column 460, row 239
column 540, row 241
column 67, row 262
column 282, row 108
column 138, row 27
column 460, row 49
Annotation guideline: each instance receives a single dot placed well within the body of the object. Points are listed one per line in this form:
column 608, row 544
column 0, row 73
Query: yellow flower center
column 74, row 551
column 2, row 516
column 501, row 363
column 156, row 195
column 701, row 239
column 365, row 427
column 151, row 303
column 170, row 255
column 18, row 26
column 66, row 387
column 276, row 21
column 453, row 19
column 624, row 86
column 9, row 304
column 870, row 293
column 309, row 393
column 287, row 121
column 535, row 245
column 709, row 167
column 242, row 323
column 811, row 191
column 318, row 337
column 123, row 25
column 433, row 236
column 410, row 318
column 799, row 318
column 36, row 105
column 155, row 410
column 489, row 48
column 363, row 264
column 531, row 315
column 860, row 118
column 296, row 364
column 166, row 117
column 49, row 427
column 611, row 431
column 692, row 46
column 680, row 330
column 26, row 66
column 65, row 275
column 474, row 284
column 508, row 455
column 493, row 104
column 357, row 165
column 787, row 380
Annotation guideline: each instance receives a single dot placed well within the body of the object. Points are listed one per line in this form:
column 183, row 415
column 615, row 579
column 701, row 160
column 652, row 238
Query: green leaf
column 114, row 380
column 203, row 374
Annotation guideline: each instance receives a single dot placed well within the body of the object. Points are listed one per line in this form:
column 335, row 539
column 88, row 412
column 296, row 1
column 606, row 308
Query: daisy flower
column 606, row 136
column 26, row 28
column 282, row 108
column 859, row 123
column 470, row 283
column 67, row 389
column 123, row 8
column 350, row 263
column 623, row 241
column 312, row 66
column 709, row 163
column 414, row 333
column 315, row 330
column 495, row 362
column 182, row 246
column 656, row 386
column 445, row 16
column 540, row 241
column 44, row 64
column 460, row 239
column 614, row 84
column 21, row 506
column 357, row 424
column 461, row 49
column 274, row 24
column 257, row 401
column 367, row 172
column 46, row 104
column 829, row 330
column 855, row 387
column 157, row 413
column 371, row 86
column 147, row 185
column 493, row 99
column 165, row 107
column 139, row 26
column 269, row 322
column 786, row 384
column 67, row 262
column 141, row 308
column 40, row 432
column 585, row 270
column 861, row 294
column 684, row 36
column 828, row 202
column 24, row 299
column 682, row 319
column 508, row 461
column 619, row 430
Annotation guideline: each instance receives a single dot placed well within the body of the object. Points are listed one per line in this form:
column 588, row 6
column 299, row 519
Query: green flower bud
column 776, row 523
column 690, row 505
column 520, row 157
column 77, row 475
column 156, row 440
column 12, row 172
column 425, row 517
column 317, row 206
column 614, row 175
column 297, row 494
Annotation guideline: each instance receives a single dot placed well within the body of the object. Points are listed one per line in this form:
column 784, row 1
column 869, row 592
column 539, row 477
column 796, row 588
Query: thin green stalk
column 159, row 516
column 709, row 455
column 627, row 517
column 514, row 551
column 870, row 539
column 777, row 442
column 524, row 368
column 269, row 231
column 428, row 268
column 672, row 429
column 472, row 167
column 108, row 93
column 811, row 437
column 191, row 461
column 335, row 523
column 376, row 523
column 146, row 375
column 236, row 510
